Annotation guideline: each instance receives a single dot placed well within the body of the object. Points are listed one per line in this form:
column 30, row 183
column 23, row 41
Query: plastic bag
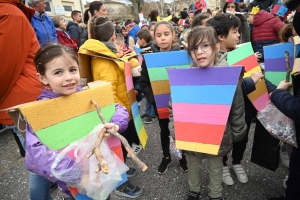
column 277, row 124
column 98, row 186
column 176, row 153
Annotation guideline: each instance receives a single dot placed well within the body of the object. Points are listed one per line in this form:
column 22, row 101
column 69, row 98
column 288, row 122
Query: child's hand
column 257, row 55
column 284, row 85
column 256, row 76
column 112, row 126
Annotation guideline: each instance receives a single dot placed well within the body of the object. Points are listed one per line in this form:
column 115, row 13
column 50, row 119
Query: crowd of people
column 41, row 62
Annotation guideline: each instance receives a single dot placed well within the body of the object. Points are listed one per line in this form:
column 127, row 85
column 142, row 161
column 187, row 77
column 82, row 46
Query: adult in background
column 73, row 27
column 18, row 73
column 42, row 23
column 153, row 16
column 262, row 4
column 243, row 7
column 61, row 29
column 132, row 28
column 97, row 8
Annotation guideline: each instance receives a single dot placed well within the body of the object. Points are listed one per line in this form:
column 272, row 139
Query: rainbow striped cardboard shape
column 244, row 56
column 275, row 65
column 201, row 102
column 157, row 64
column 61, row 121
column 139, row 126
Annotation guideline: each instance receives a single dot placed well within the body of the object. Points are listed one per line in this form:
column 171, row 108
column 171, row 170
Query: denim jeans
column 39, row 186
column 149, row 109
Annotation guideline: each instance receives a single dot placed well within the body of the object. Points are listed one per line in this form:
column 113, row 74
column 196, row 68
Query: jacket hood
column 221, row 59
column 28, row 12
column 155, row 48
column 48, row 94
column 261, row 17
column 97, row 46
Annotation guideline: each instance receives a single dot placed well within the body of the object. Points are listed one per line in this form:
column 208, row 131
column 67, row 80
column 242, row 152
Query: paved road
column 263, row 184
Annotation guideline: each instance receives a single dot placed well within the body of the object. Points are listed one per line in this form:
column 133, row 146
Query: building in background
column 63, row 7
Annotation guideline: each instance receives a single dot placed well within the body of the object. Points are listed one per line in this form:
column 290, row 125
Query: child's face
column 231, row 40
column 62, row 74
column 141, row 42
column 152, row 31
column 203, row 55
column 124, row 32
column 180, row 28
column 120, row 48
column 230, row 7
column 250, row 18
column 164, row 37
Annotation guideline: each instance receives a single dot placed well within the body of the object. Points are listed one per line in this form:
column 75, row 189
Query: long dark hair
column 95, row 5
column 153, row 15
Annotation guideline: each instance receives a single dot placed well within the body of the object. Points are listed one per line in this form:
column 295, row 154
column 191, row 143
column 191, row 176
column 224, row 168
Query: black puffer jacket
column 145, row 80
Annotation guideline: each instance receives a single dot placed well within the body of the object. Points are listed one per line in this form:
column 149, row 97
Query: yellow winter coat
column 108, row 70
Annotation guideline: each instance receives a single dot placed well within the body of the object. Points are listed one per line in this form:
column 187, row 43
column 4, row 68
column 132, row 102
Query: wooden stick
column 288, row 69
column 134, row 158
column 102, row 164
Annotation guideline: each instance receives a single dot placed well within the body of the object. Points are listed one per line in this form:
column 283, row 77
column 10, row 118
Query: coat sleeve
column 287, row 103
column 145, row 84
column 270, row 86
column 54, row 34
column 277, row 25
column 248, row 86
column 39, row 159
column 121, row 118
column 11, row 25
column 237, row 116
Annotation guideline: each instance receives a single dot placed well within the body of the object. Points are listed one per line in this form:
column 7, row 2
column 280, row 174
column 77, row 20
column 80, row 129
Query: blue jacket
column 132, row 33
column 44, row 29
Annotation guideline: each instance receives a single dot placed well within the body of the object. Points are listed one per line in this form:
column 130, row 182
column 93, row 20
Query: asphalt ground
column 263, row 183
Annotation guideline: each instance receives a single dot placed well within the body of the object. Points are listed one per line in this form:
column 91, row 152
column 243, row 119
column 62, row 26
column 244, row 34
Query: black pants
column 164, row 133
column 128, row 135
column 293, row 183
column 238, row 149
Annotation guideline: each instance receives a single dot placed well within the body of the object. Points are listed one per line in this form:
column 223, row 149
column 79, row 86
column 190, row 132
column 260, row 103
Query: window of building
column 68, row 8
column 49, row 8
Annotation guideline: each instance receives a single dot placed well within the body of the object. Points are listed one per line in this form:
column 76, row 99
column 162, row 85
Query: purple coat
column 39, row 158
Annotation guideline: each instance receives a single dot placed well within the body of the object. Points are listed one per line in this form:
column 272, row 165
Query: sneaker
column 240, row 173
column 193, row 195
column 183, row 164
column 284, row 158
column 284, row 181
column 227, row 179
column 150, row 119
column 164, row 165
column 132, row 172
column 135, row 148
column 218, row 198
column 144, row 115
column 128, row 190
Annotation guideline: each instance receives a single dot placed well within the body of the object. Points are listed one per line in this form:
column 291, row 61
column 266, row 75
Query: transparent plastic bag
column 98, row 186
column 277, row 124
column 176, row 153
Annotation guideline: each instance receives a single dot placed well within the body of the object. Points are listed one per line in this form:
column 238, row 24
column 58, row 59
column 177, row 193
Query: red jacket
column 18, row 46
column 64, row 39
column 265, row 31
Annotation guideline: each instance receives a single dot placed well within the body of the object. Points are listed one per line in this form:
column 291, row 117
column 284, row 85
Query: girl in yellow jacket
column 105, row 69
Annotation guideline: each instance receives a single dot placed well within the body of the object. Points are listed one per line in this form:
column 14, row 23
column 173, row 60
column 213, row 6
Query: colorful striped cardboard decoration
column 157, row 63
column 201, row 102
column 61, row 121
column 139, row 126
column 275, row 65
column 244, row 56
